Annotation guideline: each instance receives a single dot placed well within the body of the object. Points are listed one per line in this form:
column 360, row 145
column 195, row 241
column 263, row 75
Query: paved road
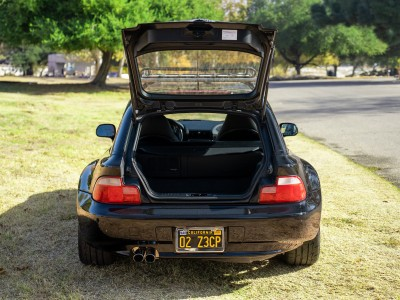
column 358, row 118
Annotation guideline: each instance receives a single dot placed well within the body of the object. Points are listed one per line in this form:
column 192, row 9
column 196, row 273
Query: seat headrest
column 157, row 127
column 238, row 127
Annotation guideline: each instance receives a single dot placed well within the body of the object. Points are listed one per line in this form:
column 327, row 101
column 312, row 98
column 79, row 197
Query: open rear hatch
column 198, row 64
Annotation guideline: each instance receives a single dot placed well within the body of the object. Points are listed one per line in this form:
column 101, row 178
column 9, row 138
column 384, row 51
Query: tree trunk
column 121, row 66
column 335, row 70
column 29, row 70
column 355, row 66
column 101, row 76
column 96, row 57
column 298, row 69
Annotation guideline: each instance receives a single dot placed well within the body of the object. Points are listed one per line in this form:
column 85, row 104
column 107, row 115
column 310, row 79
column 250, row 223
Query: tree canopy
column 176, row 10
column 311, row 28
column 28, row 57
column 347, row 41
column 381, row 15
column 345, row 29
column 353, row 43
column 298, row 41
column 91, row 24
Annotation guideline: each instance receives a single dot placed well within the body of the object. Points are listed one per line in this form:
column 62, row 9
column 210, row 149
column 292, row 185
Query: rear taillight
column 285, row 189
column 112, row 190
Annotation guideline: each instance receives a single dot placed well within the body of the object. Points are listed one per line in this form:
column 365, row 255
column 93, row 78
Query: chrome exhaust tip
column 150, row 256
column 139, row 254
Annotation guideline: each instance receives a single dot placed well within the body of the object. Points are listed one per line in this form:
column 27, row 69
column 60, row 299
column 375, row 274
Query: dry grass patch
column 47, row 138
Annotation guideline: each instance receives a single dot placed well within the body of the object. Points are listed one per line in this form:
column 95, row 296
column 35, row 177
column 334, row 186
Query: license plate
column 199, row 239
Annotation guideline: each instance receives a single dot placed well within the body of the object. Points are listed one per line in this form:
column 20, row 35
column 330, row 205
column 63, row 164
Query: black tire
column 90, row 255
column 305, row 255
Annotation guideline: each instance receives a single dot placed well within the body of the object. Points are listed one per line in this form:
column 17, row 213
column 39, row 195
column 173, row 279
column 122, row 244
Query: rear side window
column 198, row 72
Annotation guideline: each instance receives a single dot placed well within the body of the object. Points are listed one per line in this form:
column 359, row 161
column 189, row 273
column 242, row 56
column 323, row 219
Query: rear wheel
column 306, row 254
column 90, row 255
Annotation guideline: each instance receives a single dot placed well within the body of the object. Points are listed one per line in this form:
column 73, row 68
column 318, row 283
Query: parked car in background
column 199, row 167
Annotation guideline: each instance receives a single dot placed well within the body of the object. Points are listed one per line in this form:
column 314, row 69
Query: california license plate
column 199, row 239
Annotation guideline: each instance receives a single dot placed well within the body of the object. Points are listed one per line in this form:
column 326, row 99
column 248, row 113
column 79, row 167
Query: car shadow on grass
column 39, row 258
column 33, row 88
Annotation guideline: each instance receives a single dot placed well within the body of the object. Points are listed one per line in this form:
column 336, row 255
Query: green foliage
column 307, row 29
column 327, row 59
column 15, row 20
column 28, row 57
column 382, row 16
column 178, row 10
column 348, row 41
column 354, row 44
column 299, row 41
column 235, row 11
column 89, row 24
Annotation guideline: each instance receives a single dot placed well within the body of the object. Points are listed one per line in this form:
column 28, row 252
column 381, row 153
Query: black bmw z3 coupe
column 198, row 167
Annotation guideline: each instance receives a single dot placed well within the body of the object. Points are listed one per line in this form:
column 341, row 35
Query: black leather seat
column 238, row 128
column 156, row 129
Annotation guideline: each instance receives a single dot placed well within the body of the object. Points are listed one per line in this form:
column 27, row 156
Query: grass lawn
column 47, row 137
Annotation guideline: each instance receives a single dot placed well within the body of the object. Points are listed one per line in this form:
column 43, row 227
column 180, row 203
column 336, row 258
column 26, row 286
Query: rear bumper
column 252, row 232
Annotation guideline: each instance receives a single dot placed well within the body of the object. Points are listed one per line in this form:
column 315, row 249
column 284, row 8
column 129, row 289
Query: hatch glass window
column 198, row 72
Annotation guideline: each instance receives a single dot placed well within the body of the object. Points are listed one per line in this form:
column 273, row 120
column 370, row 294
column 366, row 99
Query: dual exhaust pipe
column 143, row 254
